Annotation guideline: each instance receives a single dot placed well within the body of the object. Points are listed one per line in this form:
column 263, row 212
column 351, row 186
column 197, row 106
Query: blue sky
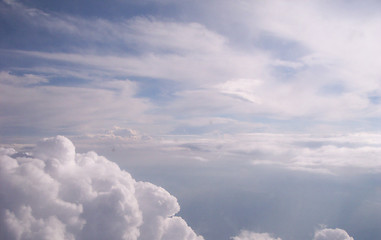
column 290, row 89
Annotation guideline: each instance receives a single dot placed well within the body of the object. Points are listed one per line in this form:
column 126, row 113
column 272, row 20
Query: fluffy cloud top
column 60, row 194
column 332, row 234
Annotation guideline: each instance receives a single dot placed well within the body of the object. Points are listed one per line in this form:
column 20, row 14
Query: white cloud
column 341, row 42
column 247, row 235
column 199, row 58
column 243, row 88
column 7, row 151
column 319, row 153
column 80, row 109
column 60, row 194
column 212, row 76
column 27, row 79
column 323, row 234
column 332, row 234
column 141, row 32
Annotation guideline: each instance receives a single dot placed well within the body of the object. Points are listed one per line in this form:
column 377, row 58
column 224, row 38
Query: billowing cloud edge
column 56, row 193
column 330, row 233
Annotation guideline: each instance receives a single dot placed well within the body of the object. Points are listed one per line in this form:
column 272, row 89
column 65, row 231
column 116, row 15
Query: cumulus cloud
column 60, row 194
column 332, row 234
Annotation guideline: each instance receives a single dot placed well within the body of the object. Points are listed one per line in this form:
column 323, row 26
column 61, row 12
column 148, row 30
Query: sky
column 249, row 119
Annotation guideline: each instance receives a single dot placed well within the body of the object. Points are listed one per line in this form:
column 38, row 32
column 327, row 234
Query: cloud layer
column 324, row 153
column 323, row 234
column 60, row 194
column 276, row 64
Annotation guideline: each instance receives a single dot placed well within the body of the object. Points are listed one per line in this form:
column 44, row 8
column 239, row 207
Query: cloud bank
column 323, row 234
column 324, row 153
column 60, row 194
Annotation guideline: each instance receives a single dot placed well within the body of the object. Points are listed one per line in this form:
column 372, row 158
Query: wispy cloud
column 216, row 75
column 222, row 86
column 69, row 108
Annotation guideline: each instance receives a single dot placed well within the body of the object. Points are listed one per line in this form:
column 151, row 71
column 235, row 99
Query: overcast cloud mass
column 260, row 117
